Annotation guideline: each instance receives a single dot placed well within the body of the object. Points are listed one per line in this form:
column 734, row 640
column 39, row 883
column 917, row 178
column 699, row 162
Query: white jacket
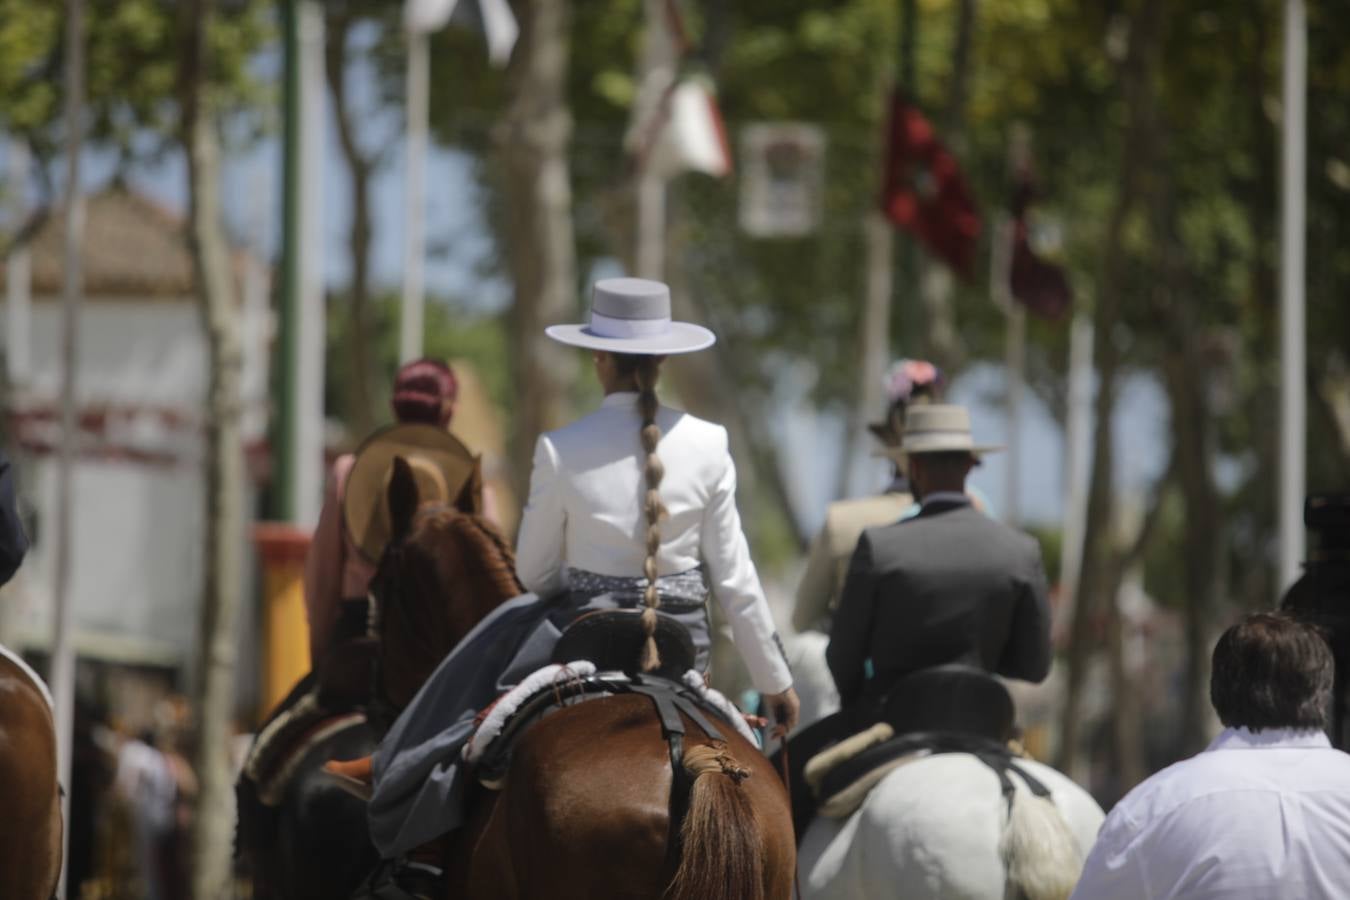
column 585, row 512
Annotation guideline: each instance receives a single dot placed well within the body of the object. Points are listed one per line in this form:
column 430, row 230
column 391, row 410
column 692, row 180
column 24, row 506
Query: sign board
column 782, row 179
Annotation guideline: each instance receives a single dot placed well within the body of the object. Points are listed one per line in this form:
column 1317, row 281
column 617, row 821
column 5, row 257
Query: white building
column 139, row 476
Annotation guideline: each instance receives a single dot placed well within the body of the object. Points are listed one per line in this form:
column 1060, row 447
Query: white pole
column 1293, row 392
column 18, row 276
column 1076, row 451
column 651, row 200
column 63, row 651
column 414, row 243
column 1000, row 272
column 876, row 341
column 308, row 447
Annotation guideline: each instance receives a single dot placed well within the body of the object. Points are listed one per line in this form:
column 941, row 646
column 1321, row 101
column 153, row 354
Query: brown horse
column 30, row 828
column 585, row 814
column 445, row 569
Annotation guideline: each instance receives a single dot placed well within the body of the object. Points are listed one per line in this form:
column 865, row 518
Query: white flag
column 694, row 136
column 422, row 16
column 499, row 23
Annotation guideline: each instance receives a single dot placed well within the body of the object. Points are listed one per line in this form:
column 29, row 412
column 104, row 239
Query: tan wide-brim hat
column 939, row 428
column 441, row 465
column 632, row 315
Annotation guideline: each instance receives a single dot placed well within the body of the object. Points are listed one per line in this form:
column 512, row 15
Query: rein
column 787, row 786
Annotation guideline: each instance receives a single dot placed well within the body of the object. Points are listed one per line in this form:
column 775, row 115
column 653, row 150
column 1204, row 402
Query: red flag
column 924, row 191
column 1040, row 286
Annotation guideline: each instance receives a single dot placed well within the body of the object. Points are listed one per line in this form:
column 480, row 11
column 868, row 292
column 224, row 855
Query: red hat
column 421, row 390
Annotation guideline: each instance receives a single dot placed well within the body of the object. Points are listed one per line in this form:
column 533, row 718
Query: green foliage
column 450, row 334
column 132, row 68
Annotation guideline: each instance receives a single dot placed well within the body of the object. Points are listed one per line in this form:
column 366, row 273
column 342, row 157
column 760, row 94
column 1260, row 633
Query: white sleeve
column 735, row 584
column 539, row 546
column 1114, row 868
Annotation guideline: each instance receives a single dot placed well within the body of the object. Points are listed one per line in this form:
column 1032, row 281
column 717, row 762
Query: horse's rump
column 939, row 825
column 585, row 809
column 30, row 830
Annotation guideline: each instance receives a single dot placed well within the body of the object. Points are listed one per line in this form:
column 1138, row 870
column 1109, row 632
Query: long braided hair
column 644, row 370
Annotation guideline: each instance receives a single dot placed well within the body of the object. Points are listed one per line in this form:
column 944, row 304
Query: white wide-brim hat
column 632, row 315
column 939, row 428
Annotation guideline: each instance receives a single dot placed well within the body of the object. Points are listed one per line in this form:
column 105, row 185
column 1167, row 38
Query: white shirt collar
column 1268, row 739
column 946, row 497
column 619, row 398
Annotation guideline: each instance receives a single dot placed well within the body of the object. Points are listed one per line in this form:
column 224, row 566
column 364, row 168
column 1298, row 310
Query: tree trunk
column 225, row 479
column 936, row 286
column 541, row 247
column 1093, row 582
column 360, row 168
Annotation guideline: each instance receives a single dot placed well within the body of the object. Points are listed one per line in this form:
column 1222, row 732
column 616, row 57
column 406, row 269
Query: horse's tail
column 720, row 853
column 1039, row 852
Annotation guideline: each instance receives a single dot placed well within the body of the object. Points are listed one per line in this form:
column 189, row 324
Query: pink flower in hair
column 907, row 375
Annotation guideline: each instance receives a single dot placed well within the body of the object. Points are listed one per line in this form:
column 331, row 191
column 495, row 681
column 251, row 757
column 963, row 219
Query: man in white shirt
column 1264, row 811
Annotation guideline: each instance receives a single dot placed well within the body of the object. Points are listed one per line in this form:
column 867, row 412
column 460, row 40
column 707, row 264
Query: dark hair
column 644, row 370
column 421, row 389
column 1272, row 671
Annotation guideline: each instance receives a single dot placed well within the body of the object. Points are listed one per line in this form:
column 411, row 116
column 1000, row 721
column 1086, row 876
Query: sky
column 459, row 242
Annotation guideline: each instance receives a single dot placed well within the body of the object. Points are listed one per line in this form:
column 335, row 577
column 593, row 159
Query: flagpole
column 1014, row 362
column 309, row 363
column 414, row 244
column 1293, row 391
column 18, row 275
column 1076, row 453
column 656, row 71
column 63, row 651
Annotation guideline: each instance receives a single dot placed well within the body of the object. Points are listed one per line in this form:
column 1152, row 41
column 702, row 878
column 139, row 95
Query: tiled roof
column 133, row 247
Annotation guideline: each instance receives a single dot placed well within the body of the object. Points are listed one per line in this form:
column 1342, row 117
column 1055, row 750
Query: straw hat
column 632, row 315
column 441, row 466
column 939, row 428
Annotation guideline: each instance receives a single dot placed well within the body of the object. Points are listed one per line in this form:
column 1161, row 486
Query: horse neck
column 472, row 573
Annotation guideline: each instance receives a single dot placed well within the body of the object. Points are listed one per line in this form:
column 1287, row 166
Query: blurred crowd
column 131, row 800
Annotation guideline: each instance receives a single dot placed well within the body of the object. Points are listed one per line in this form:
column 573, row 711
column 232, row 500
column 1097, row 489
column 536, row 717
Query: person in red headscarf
column 425, row 392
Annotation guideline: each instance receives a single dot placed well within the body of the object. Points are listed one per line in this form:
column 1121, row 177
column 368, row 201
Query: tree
column 225, row 513
column 540, row 244
column 362, row 164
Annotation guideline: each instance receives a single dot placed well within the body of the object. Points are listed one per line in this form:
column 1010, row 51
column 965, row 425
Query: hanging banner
column 782, row 179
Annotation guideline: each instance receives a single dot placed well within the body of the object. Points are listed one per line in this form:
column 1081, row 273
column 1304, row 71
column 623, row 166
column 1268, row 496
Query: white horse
column 939, row 827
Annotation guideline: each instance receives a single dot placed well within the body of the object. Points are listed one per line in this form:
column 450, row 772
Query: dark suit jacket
column 13, row 542
column 948, row 586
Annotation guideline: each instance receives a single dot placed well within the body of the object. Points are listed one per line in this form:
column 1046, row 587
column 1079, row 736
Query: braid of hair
column 645, row 371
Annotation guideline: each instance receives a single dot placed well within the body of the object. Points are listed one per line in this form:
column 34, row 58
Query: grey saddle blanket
column 419, row 777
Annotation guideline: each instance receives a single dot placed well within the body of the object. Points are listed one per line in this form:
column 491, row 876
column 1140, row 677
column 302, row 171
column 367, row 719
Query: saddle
column 302, row 720
column 597, row 655
column 335, row 695
column 945, row 709
column 613, row 639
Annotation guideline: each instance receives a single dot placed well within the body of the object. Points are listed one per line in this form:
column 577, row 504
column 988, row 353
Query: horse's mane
column 453, row 569
column 486, row 542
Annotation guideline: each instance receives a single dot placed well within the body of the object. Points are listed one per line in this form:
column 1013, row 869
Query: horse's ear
column 403, row 500
column 470, row 499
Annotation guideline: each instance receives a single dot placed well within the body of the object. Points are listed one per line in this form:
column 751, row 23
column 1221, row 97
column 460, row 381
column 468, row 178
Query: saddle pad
column 280, row 748
column 509, row 704
column 26, row 669
column 843, row 787
column 827, row 760
column 552, row 678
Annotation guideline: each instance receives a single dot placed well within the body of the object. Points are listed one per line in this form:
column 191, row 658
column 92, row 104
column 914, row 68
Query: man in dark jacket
column 13, row 542
column 949, row 585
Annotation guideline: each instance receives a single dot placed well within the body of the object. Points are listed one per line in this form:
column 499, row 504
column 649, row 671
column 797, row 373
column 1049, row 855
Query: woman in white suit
column 632, row 505
column 638, row 500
